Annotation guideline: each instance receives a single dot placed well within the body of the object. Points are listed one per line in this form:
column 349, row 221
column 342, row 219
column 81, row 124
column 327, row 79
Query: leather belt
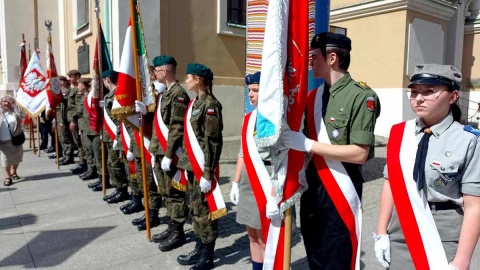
column 442, row 205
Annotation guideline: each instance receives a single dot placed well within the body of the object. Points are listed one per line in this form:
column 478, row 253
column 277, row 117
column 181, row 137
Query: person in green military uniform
column 64, row 135
column 207, row 125
column 349, row 111
column 72, row 117
column 115, row 166
column 172, row 108
column 90, row 138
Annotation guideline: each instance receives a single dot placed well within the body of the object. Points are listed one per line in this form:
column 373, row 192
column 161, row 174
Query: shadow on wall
column 51, row 248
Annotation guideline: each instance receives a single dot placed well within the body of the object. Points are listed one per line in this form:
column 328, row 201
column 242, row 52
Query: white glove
column 114, row 145
column 140, row 107
column 382, row 249
column 166, row 162
column 296, row 140
column 53, row 122
column 205, row 185
column 130, row 156
column 101, row 103
column 153, row 161
column 451, row 267
column 159, row 87
column 234, row 193
column 273, row 212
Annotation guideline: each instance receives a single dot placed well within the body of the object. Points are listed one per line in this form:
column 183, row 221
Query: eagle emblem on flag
column 33, row 82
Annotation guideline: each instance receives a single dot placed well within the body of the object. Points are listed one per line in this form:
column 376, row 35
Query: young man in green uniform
column 64, row 135
column 349, row 111
column 115, row 166
column 172, row 108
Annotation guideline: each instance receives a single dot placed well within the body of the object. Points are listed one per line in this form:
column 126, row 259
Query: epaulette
column 471, row 129
column 363, row 85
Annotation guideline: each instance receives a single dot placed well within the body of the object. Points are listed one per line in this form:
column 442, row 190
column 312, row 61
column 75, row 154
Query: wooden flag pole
column 133, row 11
column 38, row 135
column 100, row 96
column 30, row 125
column 287, row 256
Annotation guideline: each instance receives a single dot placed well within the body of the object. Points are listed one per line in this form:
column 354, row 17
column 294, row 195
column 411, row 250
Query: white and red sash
column 416, row 220
column 335, row 178
column 196, row 156
column 109, row 125
column 178, row 180
column 273, row 234
column 126, row 143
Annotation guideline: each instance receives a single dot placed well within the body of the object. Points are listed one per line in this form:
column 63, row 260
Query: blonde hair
column 9, row 98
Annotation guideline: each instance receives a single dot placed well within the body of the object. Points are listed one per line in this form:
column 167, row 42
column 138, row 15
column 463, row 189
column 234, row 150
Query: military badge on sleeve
column 371, row 103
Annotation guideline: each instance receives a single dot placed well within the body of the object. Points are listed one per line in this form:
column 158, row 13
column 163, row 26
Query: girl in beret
column 203, row 144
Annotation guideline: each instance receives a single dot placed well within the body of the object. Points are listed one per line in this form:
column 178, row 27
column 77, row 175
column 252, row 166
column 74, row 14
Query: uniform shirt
column 71, row 107
column 108, row 103
column 86, row 118
column 80, row 110
column 173, row 107
column 452, row 163
column 350, row 118
column 207, row 124
column 61, row 116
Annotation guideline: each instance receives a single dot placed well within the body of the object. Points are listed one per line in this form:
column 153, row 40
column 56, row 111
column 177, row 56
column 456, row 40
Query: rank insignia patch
column 371, row 103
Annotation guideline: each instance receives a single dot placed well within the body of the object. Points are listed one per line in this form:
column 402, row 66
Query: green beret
column 164, row 60
column 328, row 40
column 109, row 73
column 200, row 70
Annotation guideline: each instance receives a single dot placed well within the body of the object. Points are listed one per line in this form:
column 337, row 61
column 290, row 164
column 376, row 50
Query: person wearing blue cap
column 205, row 128
column 430, row 203
column 242, row 194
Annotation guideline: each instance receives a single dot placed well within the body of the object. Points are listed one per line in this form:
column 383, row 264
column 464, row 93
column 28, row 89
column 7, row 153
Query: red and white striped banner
column 109, row 125
column 126, row 143
column 416, row 220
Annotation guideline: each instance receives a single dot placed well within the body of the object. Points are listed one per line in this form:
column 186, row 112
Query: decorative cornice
column 436, row 8
column 472, row 28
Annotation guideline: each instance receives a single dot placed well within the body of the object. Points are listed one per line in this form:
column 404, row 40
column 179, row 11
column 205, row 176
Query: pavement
column 50, row 220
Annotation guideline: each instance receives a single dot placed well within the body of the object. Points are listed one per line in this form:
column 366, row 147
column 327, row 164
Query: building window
column 237, row 13
column 83, row 14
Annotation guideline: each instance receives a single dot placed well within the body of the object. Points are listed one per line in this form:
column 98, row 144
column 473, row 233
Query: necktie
column 419, row 168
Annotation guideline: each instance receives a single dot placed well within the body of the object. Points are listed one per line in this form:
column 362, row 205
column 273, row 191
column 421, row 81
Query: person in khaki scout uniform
column 207, row 125
column 446, row 172
column 90, row 138
column 72, row 120
column 174, row 102
column 351, row 112
column 115, row 166
column 64, row 135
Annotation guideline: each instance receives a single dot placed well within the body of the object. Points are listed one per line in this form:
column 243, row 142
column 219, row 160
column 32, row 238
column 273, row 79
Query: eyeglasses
column 427, row 94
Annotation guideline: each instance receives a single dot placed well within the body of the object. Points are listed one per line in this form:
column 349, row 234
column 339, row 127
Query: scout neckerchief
column 178, row 180
column 197, row 160
column 108, row 123
column 261, row 186
column 335, row 178
column 416, row 220
column 126, row 143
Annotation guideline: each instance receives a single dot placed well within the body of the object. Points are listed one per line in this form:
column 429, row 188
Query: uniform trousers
column 204, row 228
column 115, row 167
column 174, row 198
column 154, row 198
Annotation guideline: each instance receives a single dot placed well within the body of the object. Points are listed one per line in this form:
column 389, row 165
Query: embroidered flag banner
column 31, row 95
column 124, row 103
column 101, row 63
column 54, row 93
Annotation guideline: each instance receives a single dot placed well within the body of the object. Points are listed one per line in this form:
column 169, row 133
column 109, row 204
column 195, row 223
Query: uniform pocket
column 448, row 171
column 337, row 129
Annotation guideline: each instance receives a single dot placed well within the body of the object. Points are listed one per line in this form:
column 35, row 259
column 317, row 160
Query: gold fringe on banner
column 178, row 186
column 217, row 214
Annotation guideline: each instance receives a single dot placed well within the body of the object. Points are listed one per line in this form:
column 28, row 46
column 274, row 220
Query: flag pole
column 30, row 125
column 35, row 48
column 288, row 239
column 100, row 94
column 133, row 11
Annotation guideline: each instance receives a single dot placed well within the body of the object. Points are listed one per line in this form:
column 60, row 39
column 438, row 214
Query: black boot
column 66, row 161
column 159, row 237
column 205, row 262
column 154, row 220
column 176, row 238
column 138, row 221
column 89, row 175
column 99, row 187
column 98, row 182
column 80, row 168
column 135, row 207
column 120, row 195
column 193, row 256
column 127, row 204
